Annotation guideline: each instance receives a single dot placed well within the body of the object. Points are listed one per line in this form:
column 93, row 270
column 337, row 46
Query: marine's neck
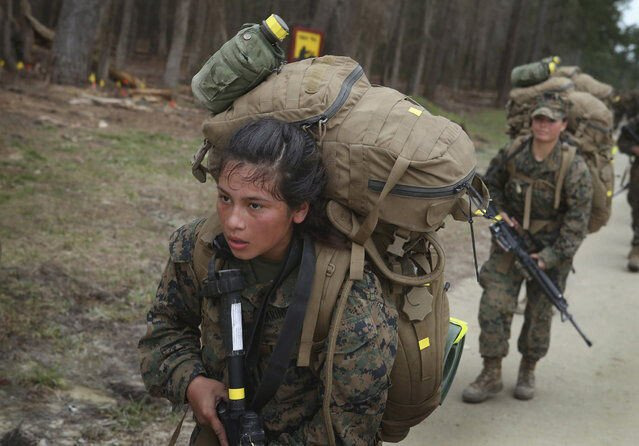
column 541, row 150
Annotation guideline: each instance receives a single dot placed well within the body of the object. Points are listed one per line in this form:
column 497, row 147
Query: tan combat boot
column 633, row 259
column 525, row 389
column 487, row 384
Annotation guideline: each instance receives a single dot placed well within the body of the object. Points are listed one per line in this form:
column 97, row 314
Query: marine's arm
column 577, row 194
column 496, row 177
column 627, row 142
column 170, row 349
column 366, row 349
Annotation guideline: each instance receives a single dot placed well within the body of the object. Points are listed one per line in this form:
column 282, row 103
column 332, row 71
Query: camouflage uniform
column 625, row 145
column 500, row 277
column 184, row 340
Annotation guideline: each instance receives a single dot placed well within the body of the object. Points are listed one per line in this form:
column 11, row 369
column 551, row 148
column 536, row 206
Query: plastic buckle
column 397, row 247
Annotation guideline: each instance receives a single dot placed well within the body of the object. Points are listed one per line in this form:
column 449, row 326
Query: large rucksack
column 395, row 172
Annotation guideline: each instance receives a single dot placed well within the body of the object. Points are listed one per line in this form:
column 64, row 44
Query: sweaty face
column 255, row 223
column 546, row 130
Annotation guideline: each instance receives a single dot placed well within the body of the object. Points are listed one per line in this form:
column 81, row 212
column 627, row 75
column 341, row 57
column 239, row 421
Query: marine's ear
column 299, row 214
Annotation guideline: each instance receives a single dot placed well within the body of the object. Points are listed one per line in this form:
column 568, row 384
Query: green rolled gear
column 452, row 353
column 240, row 64
column 533, row 73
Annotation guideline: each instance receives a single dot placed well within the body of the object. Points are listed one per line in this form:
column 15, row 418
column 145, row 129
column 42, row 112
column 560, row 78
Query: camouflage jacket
column 184, row 340
column 561, row 242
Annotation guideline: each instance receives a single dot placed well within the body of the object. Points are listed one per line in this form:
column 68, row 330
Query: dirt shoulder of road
column 89, row 196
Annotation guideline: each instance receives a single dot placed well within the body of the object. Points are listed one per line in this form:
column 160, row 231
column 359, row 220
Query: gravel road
column 585, row 396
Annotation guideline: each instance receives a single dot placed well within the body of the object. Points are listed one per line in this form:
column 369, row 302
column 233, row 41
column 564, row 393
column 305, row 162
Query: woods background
column 422, row 47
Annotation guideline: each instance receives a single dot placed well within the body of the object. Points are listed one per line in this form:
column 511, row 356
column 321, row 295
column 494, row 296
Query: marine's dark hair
column 285, row 153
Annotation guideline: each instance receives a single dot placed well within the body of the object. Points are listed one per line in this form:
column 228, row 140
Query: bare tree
column 174, row 61
column 8, row 52
column 415, row 88
column 74, row 40
column 125, row 34
column 195, row 48
column 505, row 65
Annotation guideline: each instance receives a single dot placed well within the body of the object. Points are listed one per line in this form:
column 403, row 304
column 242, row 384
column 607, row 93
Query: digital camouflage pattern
column 625, row 144
column 500, row 277
column 366, row 347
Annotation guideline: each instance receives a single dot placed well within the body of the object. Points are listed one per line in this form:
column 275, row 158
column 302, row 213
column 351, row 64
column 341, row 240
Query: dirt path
column 585, row 396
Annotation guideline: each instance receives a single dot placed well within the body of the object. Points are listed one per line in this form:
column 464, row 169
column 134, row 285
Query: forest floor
column 89, row 195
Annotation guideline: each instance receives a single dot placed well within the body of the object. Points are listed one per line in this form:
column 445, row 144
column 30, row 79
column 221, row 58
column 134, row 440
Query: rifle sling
column 288, row 339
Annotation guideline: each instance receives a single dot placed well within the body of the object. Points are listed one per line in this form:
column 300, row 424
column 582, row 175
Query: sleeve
column 626, row 142
column 577, row 192
column 170, row 349
column 496, row 177
column 365, row 353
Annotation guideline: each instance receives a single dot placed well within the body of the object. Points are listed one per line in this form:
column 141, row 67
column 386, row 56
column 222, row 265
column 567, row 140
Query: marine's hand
column 512, row 222
column 203, row 394
column 540, row 263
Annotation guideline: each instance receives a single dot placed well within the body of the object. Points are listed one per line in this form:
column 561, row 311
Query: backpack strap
column 568, row 153
column 331, row 268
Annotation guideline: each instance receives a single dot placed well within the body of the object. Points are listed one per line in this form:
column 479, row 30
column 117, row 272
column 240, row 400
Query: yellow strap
column 236, row 394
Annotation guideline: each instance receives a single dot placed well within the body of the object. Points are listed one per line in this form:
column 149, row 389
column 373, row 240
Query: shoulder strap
column 331, row 269
column 568, row 153
column 203, row 251
column 511, row 152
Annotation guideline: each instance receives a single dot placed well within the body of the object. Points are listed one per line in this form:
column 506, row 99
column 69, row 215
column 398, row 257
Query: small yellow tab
column 609, row 193
column 415, row 111
column 424, row 343
column 236, row 394
column 614, row 150
column 92, row 78
column 552, row 66
column 20, row 66
column 498, row 217
column 480, row 212
column 276, row 28
column 1, row 63
column 556, row 59
column 102, row 83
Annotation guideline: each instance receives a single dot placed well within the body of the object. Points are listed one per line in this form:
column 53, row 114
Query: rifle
column 510, row 241
column 243, row 427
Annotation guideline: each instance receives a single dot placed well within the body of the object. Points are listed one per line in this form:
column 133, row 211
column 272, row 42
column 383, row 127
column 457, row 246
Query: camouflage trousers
column 633, row 199
column 501, row 280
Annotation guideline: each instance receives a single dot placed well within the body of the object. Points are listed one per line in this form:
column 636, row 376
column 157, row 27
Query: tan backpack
column 395, row 172
column 521, row 101
column 587, row 83
column 590, row 124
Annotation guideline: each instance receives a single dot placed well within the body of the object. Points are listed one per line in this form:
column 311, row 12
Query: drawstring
column 472, row 236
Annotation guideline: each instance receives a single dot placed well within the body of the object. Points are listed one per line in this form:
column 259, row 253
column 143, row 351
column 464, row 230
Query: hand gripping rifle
column 510, row 241
column 243, row 427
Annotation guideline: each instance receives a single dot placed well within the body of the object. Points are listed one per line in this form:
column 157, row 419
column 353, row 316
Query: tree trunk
column 416, row 81
column 538, row 37
column 26, row 31
column 397, row 54
column 125, row 34
column 163, row 25
column 195, row 48
column 107, row 37
column 74, row 40
column 8, row 51
column 174, row 61
column 505, row 65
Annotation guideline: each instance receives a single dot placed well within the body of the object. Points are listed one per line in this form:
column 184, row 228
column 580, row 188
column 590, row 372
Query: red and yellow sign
column 305, row 43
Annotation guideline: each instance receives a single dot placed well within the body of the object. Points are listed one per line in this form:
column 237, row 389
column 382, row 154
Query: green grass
column 35, row 374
